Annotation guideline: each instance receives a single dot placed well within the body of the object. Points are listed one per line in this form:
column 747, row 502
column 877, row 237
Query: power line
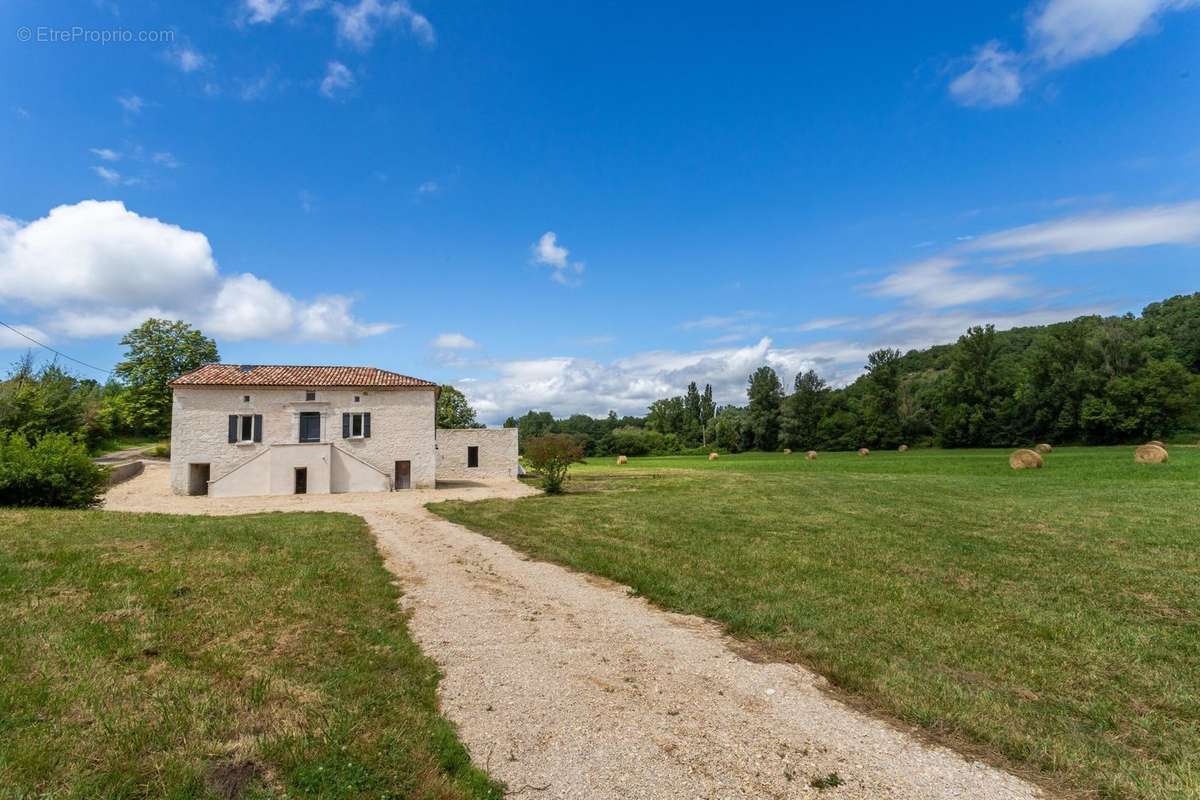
column 56, row 352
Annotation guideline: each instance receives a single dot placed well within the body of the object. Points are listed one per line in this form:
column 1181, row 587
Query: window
column 245, row 428
column 245, row 398
column 310, row 395
column 356, row 398
column 310, row 426
column 472, row 457
column 356, row 425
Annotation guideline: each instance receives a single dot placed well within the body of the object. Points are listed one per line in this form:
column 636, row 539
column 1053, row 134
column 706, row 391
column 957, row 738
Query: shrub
column 551, row 456
column 54, row 472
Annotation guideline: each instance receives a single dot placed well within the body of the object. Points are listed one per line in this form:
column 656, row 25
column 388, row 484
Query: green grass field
column 264, row 656
column 1048, row 619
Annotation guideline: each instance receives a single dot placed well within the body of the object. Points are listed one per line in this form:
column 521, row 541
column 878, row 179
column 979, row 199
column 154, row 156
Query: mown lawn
column 1049, row 618
column 154, row 656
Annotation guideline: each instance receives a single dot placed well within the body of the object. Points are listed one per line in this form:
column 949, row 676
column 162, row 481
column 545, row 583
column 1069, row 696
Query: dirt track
column 563, row 686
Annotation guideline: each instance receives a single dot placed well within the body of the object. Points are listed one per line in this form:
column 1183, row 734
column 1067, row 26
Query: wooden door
column 403, row 475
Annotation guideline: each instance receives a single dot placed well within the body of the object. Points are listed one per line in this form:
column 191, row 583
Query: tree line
column 1092, row 380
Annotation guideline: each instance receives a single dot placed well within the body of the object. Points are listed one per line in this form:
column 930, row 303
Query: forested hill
column 1094, row 380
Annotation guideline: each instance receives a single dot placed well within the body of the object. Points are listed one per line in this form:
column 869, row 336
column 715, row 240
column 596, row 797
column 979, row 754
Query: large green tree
column 800, row 418
column 453, row 410
column 158, row 352
column 765, row 393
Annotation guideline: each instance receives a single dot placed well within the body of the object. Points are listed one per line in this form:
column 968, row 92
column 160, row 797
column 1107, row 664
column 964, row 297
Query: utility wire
column 56, row 352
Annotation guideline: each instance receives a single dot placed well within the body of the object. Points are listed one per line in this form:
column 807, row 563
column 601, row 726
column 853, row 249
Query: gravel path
column 563, row 686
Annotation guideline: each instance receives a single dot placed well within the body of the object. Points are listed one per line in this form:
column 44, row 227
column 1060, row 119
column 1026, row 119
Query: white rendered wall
column 402, row 429
column 497, row 453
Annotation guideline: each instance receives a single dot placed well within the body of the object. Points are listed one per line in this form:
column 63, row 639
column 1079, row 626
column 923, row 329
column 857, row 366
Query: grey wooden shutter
column 345, row 426
column 258, row 427
column 233, row 423
column 367, row 425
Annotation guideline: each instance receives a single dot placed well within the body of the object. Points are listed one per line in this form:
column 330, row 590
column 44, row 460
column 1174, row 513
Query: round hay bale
column 1025, row 459
column 903, row 448
column 712, row 456
column 1157, row 443
column 862, row 451
column 1150, row 454
column 787, row 451
column 811, row 455
column 622, row 460
column 1044, row 448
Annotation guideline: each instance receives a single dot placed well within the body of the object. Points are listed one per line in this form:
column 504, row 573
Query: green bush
column 551, row 456
column 56, row 471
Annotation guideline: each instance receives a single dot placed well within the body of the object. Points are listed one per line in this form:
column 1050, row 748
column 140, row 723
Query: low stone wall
column 119, row 473
column 497, row 453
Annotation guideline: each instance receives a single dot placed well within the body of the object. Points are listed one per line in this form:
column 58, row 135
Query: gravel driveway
column 563, row 686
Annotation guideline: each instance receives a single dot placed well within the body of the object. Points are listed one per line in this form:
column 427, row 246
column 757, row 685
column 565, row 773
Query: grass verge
column 1050, row 618
column 257, row 656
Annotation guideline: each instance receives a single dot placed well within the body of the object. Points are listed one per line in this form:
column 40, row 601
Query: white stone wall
column 497, row 453
column 402, row 428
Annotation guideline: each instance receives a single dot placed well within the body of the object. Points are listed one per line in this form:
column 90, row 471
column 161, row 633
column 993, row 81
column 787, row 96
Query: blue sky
column 579, row 207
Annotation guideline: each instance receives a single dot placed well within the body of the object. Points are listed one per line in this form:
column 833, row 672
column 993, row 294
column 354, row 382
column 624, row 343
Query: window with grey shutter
column 258, row 427
column 367, row 425
column 233, row 428
column 345, row 426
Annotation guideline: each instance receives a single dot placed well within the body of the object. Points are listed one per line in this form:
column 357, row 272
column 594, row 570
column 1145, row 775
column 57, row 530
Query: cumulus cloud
column 993, row 80
column 338, row 78
column 108, row 175
column 454, row 341
column 1065, row 31
column 1057, row 33
column 256, row 11
column 96, row 268
column 548, row 252
column 359, row 23
column 10, row 339
column 105, row 153
column 186, row 58
column 131, row 103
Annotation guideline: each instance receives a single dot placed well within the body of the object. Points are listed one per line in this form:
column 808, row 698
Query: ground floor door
column 301, row 480
column 198, row 475
column 403, row 475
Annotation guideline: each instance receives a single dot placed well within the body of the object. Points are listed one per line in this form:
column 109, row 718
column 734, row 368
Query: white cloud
column 186, row 58
column 1065, row 31
column 1134, row 227
column 359, row 23
column 1058, row 33
column 939, row 283
column 824, row 324
column 263, row 10
column 110, row 176
column 454, row 341
column 12, row 340
column 993, row 80
column 338, row 78
column 105, row 154
column 251, row 89
column 95, row 268
column 429, row 187
column 165, row 159
column 131, row 103
column 549, row 252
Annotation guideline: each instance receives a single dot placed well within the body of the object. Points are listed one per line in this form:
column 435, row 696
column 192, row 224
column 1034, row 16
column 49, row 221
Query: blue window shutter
column 345, row 426
column 258, row 427
column 367, row 425
column 233, row 423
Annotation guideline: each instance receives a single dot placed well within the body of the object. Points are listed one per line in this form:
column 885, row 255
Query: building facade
column 260, row 429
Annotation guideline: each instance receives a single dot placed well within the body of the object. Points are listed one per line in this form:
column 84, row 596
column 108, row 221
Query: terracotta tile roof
column 286, row 375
